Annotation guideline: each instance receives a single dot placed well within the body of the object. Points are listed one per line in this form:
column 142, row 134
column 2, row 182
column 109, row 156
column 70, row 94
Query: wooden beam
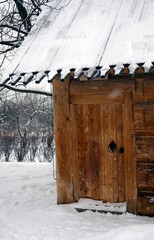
column 129, row 154
column 114, row 97
column 62, row 139
column 98, row 87
column 73, row 135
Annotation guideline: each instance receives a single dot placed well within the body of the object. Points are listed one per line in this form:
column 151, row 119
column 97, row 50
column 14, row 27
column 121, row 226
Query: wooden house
column 103, row 95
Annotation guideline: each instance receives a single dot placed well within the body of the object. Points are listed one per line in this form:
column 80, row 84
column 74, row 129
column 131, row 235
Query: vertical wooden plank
column 102, row 167
column 105, row 159
column 120, row 154
column 75, row 167
column 100, row 150
column 113, row 156
column 129, row 155
column 109, row 155
column 115, row 120
column 95, row 149
column 87, row 148
column 62, row 140
column 81, row 131
column 110, row 175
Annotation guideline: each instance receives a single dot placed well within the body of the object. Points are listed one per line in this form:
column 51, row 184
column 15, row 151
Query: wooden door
column 99, row 160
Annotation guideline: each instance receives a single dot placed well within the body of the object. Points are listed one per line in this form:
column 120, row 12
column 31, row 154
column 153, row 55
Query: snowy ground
column 28, row 211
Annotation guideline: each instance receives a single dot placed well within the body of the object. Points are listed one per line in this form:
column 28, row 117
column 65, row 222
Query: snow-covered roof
column 88, row 33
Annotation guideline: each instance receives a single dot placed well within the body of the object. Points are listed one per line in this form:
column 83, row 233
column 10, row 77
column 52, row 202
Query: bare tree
column 26, row 127
column 16, row 19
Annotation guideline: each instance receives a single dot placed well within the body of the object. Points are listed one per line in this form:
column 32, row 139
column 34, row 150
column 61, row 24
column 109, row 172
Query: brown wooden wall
column 144, row 144
column 104, row 135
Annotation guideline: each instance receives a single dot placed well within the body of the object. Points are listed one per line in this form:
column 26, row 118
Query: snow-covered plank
column 39, row 77
column 15, row 79
column 27, row 78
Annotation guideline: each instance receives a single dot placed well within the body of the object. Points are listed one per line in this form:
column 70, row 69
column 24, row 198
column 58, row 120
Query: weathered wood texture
column 130, row 163
column 104, row 133
column 144, row 144
column 100, row 173
column 62, row 140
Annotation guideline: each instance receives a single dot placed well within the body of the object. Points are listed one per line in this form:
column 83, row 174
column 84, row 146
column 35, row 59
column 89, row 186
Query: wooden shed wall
column 144, row 143
column 89, row 115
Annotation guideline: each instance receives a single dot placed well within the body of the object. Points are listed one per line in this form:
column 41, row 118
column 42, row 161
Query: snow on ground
column 28, row 211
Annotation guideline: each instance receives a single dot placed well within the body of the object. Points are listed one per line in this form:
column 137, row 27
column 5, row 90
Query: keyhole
column 112, row 147
column 121, row 150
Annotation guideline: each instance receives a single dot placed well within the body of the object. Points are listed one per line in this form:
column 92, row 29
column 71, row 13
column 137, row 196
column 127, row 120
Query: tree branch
column 13, row 28
column 23, row 14
column 8, row 49
column 3, row 1
column 36, row 5
column 25, row 90
column 13, row 43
